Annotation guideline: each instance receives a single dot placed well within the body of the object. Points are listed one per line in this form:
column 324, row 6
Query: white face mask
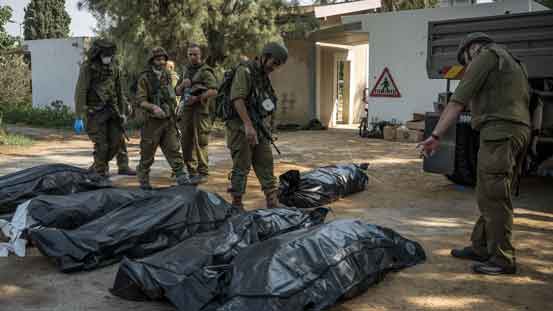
column 106, row 60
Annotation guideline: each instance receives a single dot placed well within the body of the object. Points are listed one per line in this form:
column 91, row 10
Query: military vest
column 505, row 94
column 194, row 74
column 160, row 91
column 261, row 90
column 103, row 84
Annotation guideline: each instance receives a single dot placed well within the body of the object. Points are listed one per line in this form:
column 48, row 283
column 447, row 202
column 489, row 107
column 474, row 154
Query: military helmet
column 156, row 52
column 468, row 40
column 102, row 46
column 277, row 51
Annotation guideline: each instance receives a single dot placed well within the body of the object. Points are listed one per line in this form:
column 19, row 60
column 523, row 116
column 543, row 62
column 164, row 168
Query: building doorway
column 341, row 90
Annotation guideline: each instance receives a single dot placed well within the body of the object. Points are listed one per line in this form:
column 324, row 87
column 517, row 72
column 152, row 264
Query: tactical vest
column 103, row 85
column 194, row 74
column 160, row 91
column 261, row 90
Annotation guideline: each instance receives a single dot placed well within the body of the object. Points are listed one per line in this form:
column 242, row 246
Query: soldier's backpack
column 224, row 110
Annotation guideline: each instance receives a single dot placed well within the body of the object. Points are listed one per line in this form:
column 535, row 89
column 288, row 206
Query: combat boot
column 144, row 181
column 237, row 202
column 126, row 171
column 145, row 185
column 104, row 174
column 182, row 178
column 271, row 197
column 199, row 179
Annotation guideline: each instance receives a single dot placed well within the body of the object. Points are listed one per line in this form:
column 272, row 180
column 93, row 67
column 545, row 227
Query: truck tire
column 466, row 155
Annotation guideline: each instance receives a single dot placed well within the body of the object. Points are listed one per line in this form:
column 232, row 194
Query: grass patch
column 15, row 140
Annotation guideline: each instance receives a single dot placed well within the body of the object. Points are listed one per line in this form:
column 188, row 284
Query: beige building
column 327, row 72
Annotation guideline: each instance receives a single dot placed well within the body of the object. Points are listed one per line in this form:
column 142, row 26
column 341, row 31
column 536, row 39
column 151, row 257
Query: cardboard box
column 389, row 133
column 415, row 125
column 418, row 116
column 406, row 135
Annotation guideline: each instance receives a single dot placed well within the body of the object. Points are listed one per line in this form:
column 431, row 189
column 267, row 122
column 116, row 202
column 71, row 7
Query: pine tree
column 393, row 5
column 229, row 28
column 398, row 5
column 15, row 78
column 6, row 41
column 45, row 19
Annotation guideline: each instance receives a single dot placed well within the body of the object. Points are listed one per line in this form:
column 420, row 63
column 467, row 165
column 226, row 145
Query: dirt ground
column 421, row 206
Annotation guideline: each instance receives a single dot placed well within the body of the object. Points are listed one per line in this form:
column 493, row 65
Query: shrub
column 15, row 140
column 55, row 115
column 15, row 79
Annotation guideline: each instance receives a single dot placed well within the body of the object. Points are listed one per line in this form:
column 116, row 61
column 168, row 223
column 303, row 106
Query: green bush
column 15, row 140
column 55, row 115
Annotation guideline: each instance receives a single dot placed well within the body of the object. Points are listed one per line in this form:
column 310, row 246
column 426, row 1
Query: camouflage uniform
column 155, row 132
column 195, row 122
column 244, row 155
column 99, row 97
column 496, row 87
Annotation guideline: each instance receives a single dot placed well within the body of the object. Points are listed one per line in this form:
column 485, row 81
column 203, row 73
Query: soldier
column 193, row 113
column 100, row 99
column 495, row 85
column 156, row 97
column 251, row 91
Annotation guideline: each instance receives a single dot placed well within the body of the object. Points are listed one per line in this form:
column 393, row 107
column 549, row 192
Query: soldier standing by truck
column 495, row 85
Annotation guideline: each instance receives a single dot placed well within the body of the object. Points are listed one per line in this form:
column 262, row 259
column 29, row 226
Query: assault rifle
column 258, row 124
column 110, row 106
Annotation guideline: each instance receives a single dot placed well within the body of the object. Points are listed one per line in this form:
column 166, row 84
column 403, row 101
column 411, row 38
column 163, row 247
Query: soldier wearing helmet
column 251, row 87
column 495, row 85
column 100, row 99
column 155, row 95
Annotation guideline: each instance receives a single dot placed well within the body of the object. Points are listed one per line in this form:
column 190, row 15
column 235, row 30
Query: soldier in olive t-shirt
column 495, row 86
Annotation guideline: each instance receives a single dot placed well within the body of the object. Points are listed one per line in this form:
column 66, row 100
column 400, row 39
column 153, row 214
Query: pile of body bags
column 195, row 250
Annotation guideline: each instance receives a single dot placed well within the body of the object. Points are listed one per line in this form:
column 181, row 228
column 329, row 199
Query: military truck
column 529, row 37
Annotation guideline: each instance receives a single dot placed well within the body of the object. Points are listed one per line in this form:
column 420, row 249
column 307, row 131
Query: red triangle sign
column 385, row 86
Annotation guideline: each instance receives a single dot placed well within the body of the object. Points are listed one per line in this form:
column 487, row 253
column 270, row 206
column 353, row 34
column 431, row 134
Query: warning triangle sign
column 385, row 86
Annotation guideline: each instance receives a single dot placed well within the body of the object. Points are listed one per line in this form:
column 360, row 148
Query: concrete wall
column 55, row 69
column 293, row 85
column 359, row 80
column 398, row 41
